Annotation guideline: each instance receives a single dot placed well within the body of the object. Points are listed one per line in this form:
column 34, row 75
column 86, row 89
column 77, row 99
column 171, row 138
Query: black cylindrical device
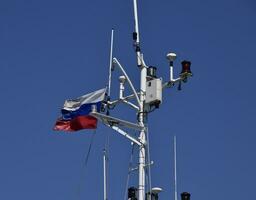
column 151, row 71
column 134, row 36
column 185, row 196
column 132, row 193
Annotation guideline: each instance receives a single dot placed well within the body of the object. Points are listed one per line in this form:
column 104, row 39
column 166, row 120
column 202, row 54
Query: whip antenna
column 105, row 160
column 175, row 169
column 110, row 62
column 136, row 35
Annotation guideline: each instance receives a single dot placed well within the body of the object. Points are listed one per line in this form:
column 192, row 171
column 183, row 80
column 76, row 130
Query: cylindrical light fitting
column 122, row 80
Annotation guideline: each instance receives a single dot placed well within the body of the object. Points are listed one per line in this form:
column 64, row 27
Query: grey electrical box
column 154, row 92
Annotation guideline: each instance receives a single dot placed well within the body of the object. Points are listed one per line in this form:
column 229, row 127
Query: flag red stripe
column 76, row 124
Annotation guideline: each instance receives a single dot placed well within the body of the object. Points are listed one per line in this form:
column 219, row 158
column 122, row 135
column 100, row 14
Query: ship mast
column 142, row 114
column 147, row 99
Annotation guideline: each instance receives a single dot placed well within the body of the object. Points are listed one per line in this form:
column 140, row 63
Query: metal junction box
column 154, row 91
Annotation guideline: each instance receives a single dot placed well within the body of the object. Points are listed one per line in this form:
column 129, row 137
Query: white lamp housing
column 122, row 80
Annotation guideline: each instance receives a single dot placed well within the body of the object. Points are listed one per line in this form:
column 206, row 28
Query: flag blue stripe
column 84, row 110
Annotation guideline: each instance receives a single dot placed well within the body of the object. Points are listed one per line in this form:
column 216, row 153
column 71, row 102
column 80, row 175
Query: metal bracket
column 112, row 121
column 115, row 123
column 123, row 133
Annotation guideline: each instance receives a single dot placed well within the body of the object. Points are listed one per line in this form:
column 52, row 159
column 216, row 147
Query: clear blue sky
column 54, row 50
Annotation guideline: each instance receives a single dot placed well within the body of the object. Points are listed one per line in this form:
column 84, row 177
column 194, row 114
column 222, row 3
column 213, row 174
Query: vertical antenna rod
column 110, row 62
column 136, row 20
column 105, row 173
column 136, row 34
column 175, row 169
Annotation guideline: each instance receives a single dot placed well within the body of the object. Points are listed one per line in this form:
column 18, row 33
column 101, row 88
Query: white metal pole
column 175, row 170
column 142, row 152
column 136, row 19
column 137, row 32
column 110, row 62
column 121, row 90
column 105, row 173
column 171, row 72
column 142, row 168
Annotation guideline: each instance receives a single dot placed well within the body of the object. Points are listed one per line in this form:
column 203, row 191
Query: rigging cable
column 129, row 172
column 148, row 163
column 106, row 151
column 84, row 166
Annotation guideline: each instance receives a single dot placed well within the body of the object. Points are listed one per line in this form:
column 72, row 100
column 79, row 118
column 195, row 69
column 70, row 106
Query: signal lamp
column 186, row 68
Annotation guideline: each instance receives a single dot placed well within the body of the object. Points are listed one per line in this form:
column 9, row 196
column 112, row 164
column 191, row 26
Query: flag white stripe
column 92, row 97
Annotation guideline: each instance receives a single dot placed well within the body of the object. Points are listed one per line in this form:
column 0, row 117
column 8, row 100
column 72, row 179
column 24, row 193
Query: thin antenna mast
column 175, row 169
column 105, row 173
column 136, row 34
column 110, row 62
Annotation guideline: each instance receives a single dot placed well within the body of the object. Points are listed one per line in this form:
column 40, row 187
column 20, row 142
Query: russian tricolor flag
column 75, row 112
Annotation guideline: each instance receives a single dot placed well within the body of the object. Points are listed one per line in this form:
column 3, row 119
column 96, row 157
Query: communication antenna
column 105, row 174
column 175, row 169
column 110, row 62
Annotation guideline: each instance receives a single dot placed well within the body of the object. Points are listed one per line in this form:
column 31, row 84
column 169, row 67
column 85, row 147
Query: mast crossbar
column 112, row 121
column 116, row 63
column 125, row 134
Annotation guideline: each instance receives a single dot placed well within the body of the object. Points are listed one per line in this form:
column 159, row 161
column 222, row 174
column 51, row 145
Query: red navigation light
column 186, row 68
